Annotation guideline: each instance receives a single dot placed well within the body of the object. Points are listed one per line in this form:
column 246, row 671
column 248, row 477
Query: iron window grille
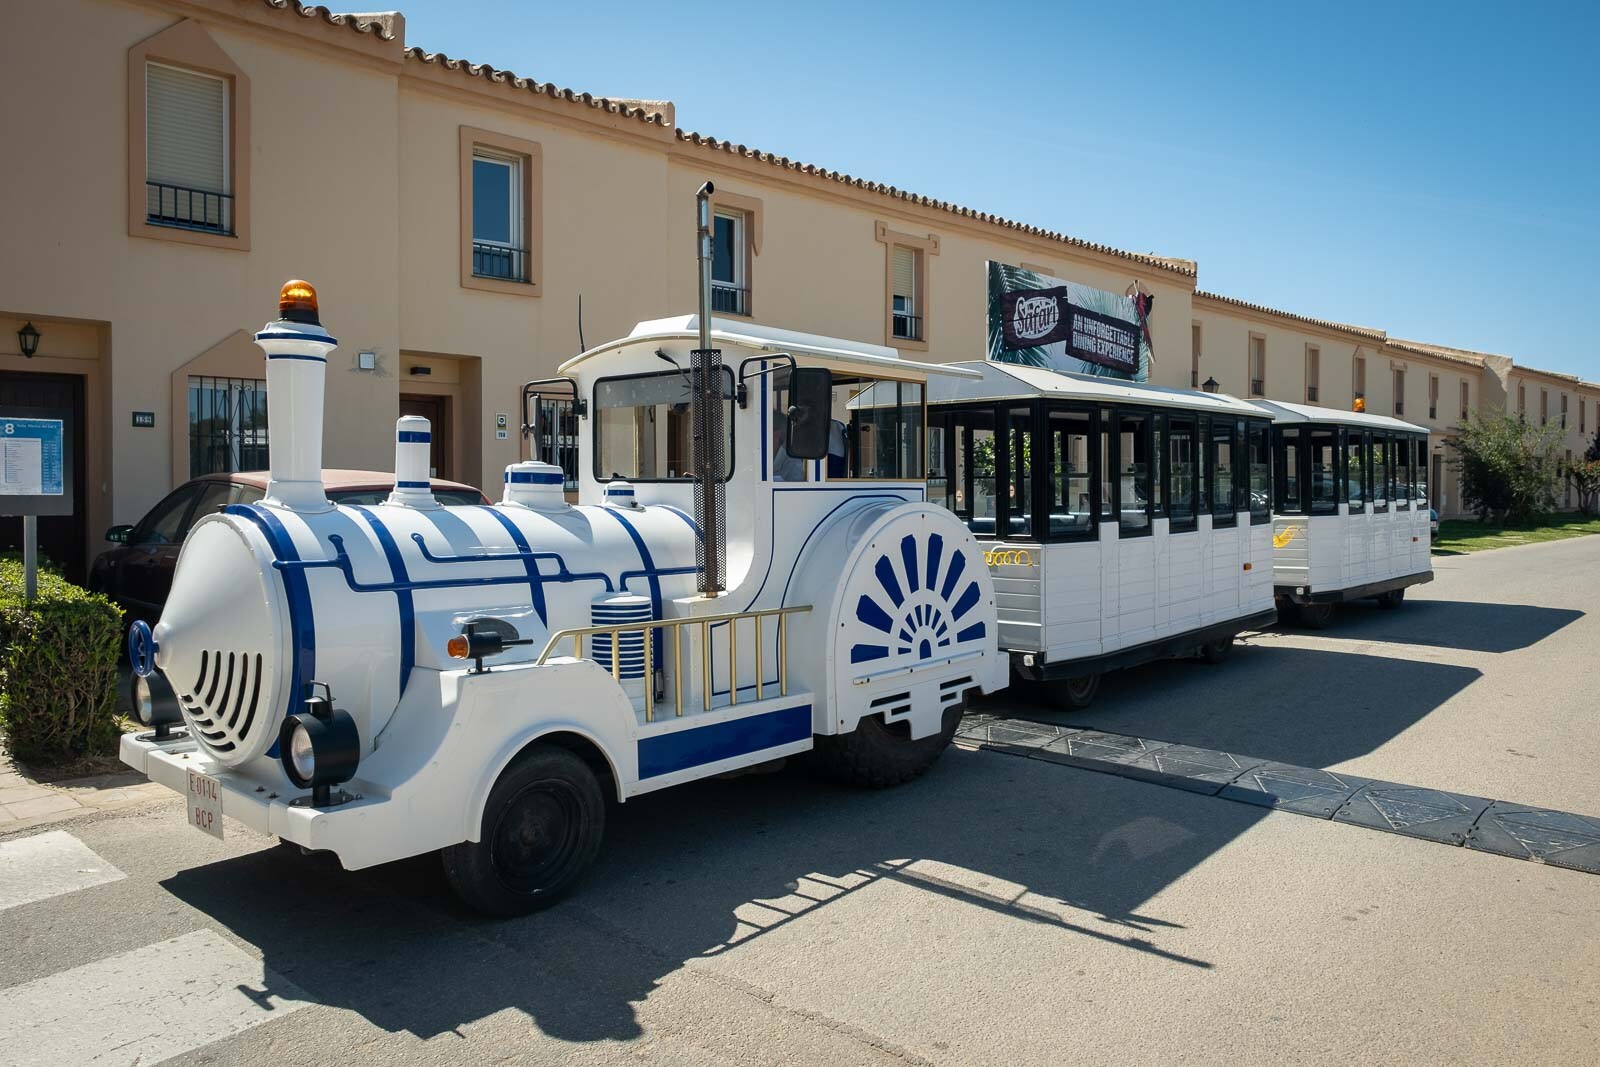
column 501, row 262
column 1258, row 387
column 227, row 425
column 730, row 299
column 1311, row 394
column 188, row 209
column 907, row 327
column 1399, row 407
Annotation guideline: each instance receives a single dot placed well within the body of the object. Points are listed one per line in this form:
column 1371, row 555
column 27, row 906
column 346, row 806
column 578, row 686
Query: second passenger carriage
column 1124, row 522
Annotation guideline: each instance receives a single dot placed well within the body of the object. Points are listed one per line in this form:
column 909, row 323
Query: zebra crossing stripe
column 47, row 865
column 143, row 1006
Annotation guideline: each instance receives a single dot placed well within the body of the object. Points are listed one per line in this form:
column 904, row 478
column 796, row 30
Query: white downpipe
column 297, row 361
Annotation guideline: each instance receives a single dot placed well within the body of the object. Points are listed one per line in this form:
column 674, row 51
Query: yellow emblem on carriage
column 1008, row 557
column 1282, row 538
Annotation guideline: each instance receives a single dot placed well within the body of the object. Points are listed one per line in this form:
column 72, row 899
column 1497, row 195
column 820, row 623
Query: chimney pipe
column 297, row 350
column 413, row 453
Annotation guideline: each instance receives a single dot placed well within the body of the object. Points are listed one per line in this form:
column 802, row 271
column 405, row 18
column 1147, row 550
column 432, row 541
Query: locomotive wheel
column 1392, row 599
column 1315, row 616
column 1216, row 651
column 541, row 829
column 877, row 755
column 1076, row 693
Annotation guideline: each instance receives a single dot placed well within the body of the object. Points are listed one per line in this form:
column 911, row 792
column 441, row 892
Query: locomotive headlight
column 320, row 748
column 155, row 704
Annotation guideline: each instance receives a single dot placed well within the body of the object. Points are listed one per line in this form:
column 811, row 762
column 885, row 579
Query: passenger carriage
column 1350, row 502
column 1123, row 522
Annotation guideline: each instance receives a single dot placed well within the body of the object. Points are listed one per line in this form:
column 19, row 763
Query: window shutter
column 905, row 272
column 184, row 128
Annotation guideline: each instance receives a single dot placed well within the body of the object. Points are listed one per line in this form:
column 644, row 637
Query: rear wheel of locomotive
column 1315, row 616
column 878, row 755
column 541, row 830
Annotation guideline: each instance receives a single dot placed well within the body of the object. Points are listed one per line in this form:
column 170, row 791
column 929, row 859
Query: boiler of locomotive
column 270, row 597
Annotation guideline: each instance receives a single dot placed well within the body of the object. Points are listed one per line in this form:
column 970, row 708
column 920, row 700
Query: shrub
column 1509, row 467
column 58, row 668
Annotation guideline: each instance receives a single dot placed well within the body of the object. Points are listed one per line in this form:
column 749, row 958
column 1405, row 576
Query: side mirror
column 810, row 409
column 120, row 535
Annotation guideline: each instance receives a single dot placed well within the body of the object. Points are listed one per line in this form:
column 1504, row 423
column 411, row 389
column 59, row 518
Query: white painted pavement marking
column 47, row 865
column 143, row 1006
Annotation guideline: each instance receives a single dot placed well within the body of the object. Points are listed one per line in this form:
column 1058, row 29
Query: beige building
column 181, row 158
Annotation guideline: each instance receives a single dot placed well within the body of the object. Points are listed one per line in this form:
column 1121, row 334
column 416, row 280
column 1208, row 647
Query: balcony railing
column 188, row 209
column 1433, row 411
column 1311, row 394
column 1399, row 407
column 501, row 262
column 907, row 327
column 1258, row 387
column 730, row 299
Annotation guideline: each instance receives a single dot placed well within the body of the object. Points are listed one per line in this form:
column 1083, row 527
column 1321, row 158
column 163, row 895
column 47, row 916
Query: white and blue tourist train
column 384, row 681
column 1123, row 522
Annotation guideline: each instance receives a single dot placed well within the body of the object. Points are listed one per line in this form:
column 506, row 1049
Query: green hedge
column 58, row 668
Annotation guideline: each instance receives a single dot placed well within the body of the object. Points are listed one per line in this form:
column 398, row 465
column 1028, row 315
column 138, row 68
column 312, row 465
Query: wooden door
column 436, row 409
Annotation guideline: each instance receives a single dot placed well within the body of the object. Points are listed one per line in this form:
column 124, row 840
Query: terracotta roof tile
column 377, row 24
column 626, row 108
column 1459, row 355
column 1369, row 332
column 1183, row 267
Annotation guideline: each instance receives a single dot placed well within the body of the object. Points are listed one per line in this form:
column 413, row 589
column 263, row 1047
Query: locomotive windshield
column 641, row 427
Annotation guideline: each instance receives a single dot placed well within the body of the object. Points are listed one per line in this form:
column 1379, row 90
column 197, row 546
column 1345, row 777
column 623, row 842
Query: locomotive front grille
column 221, row 706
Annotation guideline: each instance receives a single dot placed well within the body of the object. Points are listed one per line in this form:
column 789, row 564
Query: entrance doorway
column 62, row 538
column 436, row 409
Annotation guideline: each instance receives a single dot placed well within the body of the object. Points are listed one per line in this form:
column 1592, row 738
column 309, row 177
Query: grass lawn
column 1457, row 536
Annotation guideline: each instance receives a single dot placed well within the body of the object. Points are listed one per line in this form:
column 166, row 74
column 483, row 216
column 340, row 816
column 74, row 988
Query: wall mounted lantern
column 28, row 339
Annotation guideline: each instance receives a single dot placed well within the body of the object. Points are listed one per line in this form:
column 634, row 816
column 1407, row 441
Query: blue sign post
column 35, row 476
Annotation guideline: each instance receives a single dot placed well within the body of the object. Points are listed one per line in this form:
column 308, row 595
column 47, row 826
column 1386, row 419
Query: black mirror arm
column 742, row 391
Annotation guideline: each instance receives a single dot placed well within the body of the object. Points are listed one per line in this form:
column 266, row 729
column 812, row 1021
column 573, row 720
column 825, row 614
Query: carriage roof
column 1012, row 381
column 1291, row 414
column 833, row 352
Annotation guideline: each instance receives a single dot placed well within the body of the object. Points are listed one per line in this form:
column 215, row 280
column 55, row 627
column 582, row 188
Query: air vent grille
column 221, row 706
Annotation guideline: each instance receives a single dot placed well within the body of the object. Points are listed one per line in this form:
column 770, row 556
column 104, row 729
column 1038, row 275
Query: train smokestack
column 297, row 350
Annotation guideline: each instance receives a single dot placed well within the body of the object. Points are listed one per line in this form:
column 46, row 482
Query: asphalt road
column 1001, row 910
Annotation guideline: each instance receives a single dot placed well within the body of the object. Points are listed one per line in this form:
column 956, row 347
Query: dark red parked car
column 137, row 573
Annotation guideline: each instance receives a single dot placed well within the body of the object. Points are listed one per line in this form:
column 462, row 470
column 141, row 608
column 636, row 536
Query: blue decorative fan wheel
column 920, row 604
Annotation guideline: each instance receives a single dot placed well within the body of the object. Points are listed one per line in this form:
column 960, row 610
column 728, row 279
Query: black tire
column 878, row 756
column 1215, row 652
column 541, row 830
column 1315, row 616
column 1076, row 693
column 1392, row 599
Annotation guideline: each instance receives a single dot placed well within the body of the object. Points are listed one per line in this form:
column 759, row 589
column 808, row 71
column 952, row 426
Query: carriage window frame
column 1402, row 472
column 1314, row 504
column 854, row 445
column 1282, row 438
column 1229, row 517
column 1191, row 421
column 1378, row 460
column 1147, row 424
column 1252, row 427
column 729, row 413
column 1421, row 475
column 1044, row 445
column 947, row 416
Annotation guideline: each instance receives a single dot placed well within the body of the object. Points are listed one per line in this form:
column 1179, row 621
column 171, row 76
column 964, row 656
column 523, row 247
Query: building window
column 1544, row 407
column 227, row 425
column 1359, row 378
column 906, row 304
column 1313, row 372
column 1583, row 415
column 1258, row 366
column 1466, row 400
column 1433, row 396
column 186, row 150
column 730, row 291
column 1399, row 391
column 1194, row 355
column 906, row 323
column 498, row 250
column 1563, row 411
column 501, row 191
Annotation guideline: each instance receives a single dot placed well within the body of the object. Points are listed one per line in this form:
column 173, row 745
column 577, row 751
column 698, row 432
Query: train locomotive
column 389, row 680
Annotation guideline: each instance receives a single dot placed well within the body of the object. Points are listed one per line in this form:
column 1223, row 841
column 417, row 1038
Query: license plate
column 205, row 804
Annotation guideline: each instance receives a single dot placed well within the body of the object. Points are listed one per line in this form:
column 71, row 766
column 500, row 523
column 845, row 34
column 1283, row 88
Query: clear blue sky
column 1428, row 169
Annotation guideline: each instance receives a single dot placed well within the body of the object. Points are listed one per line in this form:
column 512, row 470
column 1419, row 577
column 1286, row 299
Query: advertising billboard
column 1039, row 321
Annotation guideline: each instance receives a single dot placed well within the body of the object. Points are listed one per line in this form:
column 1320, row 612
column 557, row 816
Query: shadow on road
column 1340, row 704
column 1461, row 624
column 695, row 871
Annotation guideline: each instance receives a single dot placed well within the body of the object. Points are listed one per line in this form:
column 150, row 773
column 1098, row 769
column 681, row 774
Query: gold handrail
column 576, row 634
